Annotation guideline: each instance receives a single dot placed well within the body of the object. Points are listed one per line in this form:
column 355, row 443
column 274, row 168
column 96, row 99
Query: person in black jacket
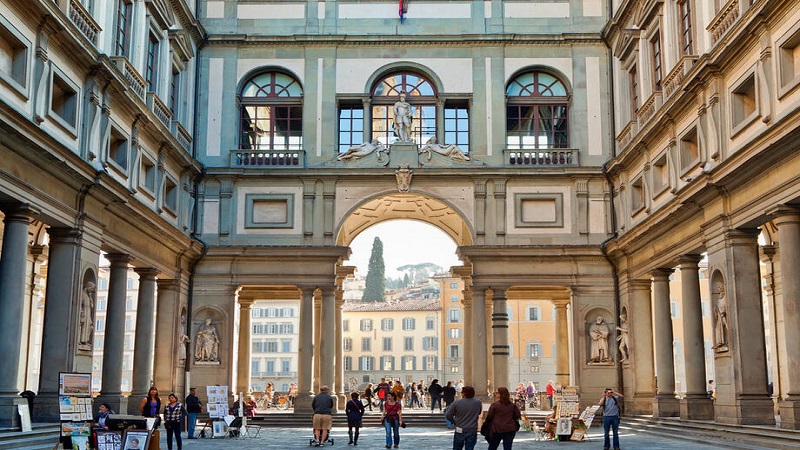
column 435, row 389
column 355, row 411
column 448, row 394
column 193, row 408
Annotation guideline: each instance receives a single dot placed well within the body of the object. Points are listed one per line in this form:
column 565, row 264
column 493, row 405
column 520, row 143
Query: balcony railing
column 649, row 108
column 626, row 135
column 158, row 107
column 274, row 374
column 542, row 157
column 83, row 21
column 726, row 16
column 263, row 159
column 675, row 77
column 135, row 81
column 183, row 136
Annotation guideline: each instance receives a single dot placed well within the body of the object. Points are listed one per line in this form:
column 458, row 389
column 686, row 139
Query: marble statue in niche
column 207, row 343
column 86, row 317
column 598, row 332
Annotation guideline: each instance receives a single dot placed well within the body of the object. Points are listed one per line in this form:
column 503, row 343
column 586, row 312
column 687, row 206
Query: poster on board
column 75, row 384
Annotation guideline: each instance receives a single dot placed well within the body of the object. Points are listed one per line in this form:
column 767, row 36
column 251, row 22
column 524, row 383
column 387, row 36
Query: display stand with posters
column 567, row 408
column 217, row 403
column 137, row 440
column 75, row 409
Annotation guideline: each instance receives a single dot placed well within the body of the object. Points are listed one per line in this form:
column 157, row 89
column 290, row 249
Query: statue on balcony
column 361, row 150
column 599, row 332
column 449, row 150
column 402, row 119
column 207, row 343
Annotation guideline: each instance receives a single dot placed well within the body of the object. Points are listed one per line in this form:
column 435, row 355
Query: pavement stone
column 428, row 439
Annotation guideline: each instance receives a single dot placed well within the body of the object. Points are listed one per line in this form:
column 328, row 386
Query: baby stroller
column 313, row 442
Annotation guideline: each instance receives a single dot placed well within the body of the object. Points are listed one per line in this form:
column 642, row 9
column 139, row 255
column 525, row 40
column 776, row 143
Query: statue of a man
column 183, row 339
column 402, row 119
column 86, row 322
column 207, row 343
column 361, row 150
column 720, row 316
column 599, row 332
column 623, row 337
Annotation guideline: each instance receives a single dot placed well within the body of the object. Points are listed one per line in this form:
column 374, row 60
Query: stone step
column 42, row 436
column 731, row 436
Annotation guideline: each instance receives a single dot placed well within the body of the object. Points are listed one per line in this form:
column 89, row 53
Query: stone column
column 641, row 348
column 327, row 349
column 741, row 357
column 479, row 359
column 468, row 344
column 315, row 384
column 167, row 317
column 562, row 342
column 110, row 389
column 339, row 360
column 305, row 352
column 12, row 304
column 243, row 368
column 145, row 337
column 61, row 320
column 770, row 261
column 788, row 221
column 696, row 405
column 500, row 348
column 666, row 404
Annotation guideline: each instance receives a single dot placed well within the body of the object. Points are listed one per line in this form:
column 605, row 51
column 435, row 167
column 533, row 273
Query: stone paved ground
column 427, row 438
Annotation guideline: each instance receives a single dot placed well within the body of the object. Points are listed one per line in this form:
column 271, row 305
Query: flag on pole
column 402, row 9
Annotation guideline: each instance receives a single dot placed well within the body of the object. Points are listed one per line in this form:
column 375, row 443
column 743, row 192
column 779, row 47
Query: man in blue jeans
column 610, row 404
column 464, row 413
column 193, row 408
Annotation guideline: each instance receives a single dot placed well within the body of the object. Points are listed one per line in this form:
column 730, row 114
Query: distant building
column 273, row 358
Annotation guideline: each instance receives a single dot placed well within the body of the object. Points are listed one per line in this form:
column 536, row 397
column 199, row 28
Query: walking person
column 383, row 391
column 193, row 408
column 610, row 405
column 322, row 420
column 464, row 413
column 550, row 390
column 504, row 416
column 399, row 391
column 449, row 393
column 368, row 394
column 392, row 419
column 355, row 412
column 173, row 417
column 435, row 389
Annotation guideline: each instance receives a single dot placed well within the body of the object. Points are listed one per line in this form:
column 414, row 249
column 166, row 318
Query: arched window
column 537, row 112
column 271, row 113
column 420, row 94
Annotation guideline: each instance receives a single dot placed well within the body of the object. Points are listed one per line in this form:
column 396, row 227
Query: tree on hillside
column 375, row 284
column 406, row 281
column 420, row 272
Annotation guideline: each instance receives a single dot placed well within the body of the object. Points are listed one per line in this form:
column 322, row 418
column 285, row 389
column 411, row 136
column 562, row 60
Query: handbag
column 486, row 429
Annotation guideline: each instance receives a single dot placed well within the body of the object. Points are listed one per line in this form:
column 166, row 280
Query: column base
column 666, row 406
column 302, row 404
column 697, row 407
column 9, row 417
column 790, row 412
column 135, row 399
column 341, row 401
column 751, row 410
column 118, row 403
column 642, row 404
column 45, row 408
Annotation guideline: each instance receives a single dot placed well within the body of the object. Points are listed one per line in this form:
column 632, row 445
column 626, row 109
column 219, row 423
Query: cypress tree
column 375, row 284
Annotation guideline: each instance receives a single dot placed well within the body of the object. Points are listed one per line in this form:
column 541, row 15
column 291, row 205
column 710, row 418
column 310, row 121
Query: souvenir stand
column 568, row 409
column 75, row 409
column 217, row 407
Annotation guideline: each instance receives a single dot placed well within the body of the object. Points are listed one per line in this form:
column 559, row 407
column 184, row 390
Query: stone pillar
column 479, row 359
column 327, row 349
column 339, row 389
column 641, row 348
column 770, row 261
column 788, row 221
column 468, row 327
column 145, row 337
column 164, row 354
column 666, row 404
column 741, row 357
column 110, row 389
column 562, row 342
column 243, row 368
column 61, row 320
column 315, row 384
column 305, row 352
column 696, row 405
column 12, row 305
column 500, row 348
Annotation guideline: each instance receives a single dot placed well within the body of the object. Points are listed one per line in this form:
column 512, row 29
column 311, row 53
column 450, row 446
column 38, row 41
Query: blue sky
column 404, row 242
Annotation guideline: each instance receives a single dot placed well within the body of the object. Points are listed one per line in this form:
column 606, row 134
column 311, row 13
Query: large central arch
column 411, row 205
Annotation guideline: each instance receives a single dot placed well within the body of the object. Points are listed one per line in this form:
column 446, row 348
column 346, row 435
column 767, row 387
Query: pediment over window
column 647, row 10
column 626, row 43
column 181, row 44
column 161, row 12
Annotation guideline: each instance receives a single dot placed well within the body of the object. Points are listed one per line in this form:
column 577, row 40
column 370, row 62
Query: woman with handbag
column 355, row 412
column 392, row 420
column 504, row 416
column 173, row 417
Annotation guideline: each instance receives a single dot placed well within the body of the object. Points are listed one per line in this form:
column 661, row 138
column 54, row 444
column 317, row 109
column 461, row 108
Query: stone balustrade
column 542, row 157
column 83, row 21
column 725, row 18
column 131, row 75
column 267, row 158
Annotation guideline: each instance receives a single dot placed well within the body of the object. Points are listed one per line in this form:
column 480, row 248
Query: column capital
column 640, row 284
column 146, row 273
column 246, row 303
column 689, row 261
column 661, row 274
column 63, row 235
column 19, row 212
column 117, row 259
column 784, row 214
column 168, row 284
column 747, row 235
column 560, row 302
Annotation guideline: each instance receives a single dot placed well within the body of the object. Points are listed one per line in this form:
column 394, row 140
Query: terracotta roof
column 412, row 304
